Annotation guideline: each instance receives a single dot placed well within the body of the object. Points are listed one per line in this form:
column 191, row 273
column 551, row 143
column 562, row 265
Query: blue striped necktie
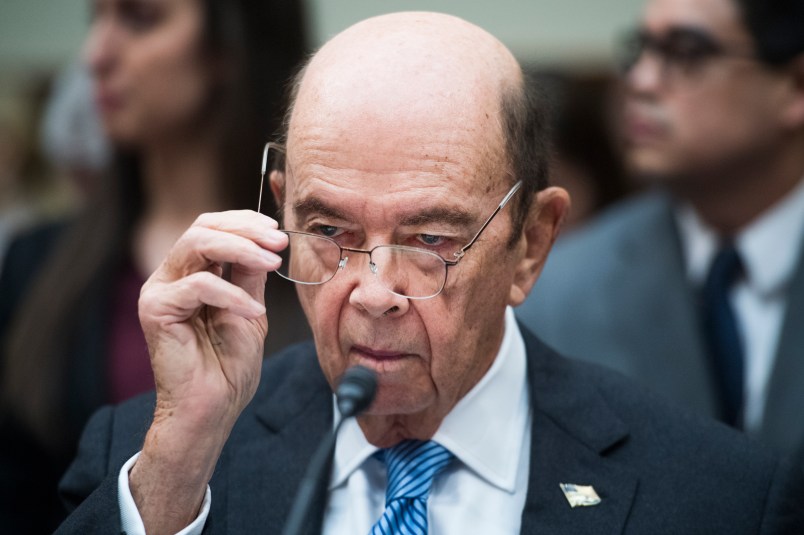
column 411, row 465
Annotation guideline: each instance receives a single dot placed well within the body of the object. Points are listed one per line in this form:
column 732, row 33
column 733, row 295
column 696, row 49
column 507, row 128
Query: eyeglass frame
column 657, row 45
column 341, row 264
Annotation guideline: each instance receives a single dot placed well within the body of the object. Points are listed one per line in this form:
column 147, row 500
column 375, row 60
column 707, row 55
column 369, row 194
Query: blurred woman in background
column 189, row 91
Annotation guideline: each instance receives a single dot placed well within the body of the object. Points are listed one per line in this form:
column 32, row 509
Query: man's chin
column 387, row 423
column 649, row 167
column 399, row 400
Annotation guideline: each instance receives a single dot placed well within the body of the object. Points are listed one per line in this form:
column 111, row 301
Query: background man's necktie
column 411, row 465
column 722, row 332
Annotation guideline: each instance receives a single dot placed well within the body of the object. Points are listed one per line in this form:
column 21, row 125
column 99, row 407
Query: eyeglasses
column 680, row 51
column 410, row 272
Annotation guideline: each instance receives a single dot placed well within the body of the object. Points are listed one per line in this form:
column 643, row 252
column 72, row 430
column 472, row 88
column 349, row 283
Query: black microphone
column 354, row 394
column 356, row 391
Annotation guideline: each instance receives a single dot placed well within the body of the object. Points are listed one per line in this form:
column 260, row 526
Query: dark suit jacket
column 616, row 293
column 30, row 472
column 657, row 470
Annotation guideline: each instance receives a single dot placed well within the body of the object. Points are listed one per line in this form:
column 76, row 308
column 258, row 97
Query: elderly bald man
column 416, row 213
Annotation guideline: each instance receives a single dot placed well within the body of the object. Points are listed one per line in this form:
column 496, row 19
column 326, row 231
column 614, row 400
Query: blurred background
column 569, row 43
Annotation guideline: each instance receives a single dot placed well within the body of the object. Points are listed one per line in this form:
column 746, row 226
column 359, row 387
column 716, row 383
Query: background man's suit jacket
column 657, row 470
column 616, row 293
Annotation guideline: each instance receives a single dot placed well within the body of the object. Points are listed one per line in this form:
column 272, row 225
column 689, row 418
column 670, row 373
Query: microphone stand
column 354, row 394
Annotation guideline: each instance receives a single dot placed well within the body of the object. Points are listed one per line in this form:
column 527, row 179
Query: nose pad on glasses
column 342, row 262
column 373, row 267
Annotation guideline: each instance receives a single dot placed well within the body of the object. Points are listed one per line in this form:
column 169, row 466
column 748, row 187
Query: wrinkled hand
column 205, row 335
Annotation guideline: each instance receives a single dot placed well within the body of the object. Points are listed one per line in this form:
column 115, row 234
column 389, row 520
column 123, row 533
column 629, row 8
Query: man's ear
column 547, row 213
column 793, row 112
column 277, row 181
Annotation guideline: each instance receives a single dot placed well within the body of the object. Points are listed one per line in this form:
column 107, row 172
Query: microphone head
column 356, row 391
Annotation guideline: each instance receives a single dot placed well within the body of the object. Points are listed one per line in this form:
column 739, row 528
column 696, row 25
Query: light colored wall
column 38, row 35
column 575, row 32
column 42, row 34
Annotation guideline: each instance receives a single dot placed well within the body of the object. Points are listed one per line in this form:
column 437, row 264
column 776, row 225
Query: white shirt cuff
column 130, row 520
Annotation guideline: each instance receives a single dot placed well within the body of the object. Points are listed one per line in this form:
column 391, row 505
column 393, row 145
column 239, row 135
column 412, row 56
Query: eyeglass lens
column 684, row 48
column 405, row 271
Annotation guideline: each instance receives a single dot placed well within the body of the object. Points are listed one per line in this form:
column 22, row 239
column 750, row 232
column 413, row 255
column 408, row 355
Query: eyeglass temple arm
column 459, row 254
column 268, row 146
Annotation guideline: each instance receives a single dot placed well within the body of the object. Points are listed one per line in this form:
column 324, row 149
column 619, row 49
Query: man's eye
column 431, row 240
column 139, row 15
column 688, row 52
column 327, row 230
column 689, row 48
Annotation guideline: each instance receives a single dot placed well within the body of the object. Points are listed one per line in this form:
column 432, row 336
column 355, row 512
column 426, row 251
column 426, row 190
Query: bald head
column 424, row 75
column 407, row 72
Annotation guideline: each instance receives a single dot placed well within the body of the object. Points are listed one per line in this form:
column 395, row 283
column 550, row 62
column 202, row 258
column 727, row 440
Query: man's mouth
column 381, row 355
column 643, row 124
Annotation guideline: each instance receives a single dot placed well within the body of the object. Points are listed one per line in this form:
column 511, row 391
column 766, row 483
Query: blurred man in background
column 697, row 288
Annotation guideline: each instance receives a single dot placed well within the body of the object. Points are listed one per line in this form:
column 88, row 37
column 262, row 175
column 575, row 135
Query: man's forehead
column 452, row 210
column 402, row 186
column 716, row 16
column 410, row 72
column 392, row 181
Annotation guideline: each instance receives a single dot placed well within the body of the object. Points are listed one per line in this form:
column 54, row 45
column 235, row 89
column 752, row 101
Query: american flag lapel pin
column 579, row 495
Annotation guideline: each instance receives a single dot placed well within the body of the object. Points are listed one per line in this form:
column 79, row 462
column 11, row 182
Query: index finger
column 249, row 224
column 238, row 237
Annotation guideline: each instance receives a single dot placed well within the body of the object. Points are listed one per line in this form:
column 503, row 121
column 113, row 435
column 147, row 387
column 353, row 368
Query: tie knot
column 726, row 268
column 412, row 465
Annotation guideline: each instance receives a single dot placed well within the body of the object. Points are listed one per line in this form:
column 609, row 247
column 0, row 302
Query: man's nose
column 371, row 296
column 100, row 47
column 646, row 75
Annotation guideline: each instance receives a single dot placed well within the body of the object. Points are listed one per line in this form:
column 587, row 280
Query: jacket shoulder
column 626, row 220
column 686, row 466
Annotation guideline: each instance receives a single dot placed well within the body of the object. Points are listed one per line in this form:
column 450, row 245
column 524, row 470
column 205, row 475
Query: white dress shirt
column 770, row 248
column 482, row 491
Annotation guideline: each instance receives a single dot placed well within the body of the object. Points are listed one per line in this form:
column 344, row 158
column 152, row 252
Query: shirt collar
column 769, row 247
column 499, row 400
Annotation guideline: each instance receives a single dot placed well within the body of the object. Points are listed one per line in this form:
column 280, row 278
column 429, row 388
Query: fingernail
column 272, row 258
column 258, row 308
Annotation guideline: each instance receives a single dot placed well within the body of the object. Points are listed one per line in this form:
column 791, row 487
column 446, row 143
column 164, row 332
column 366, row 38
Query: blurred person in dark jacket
column 188, row 92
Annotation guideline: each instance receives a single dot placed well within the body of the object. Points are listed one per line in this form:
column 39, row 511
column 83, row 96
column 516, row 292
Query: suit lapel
column 658, row 314
column 573, row 431
column 785, row 393
column 288, row 429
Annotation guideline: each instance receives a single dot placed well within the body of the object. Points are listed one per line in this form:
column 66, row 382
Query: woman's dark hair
column 258, row 44
column 777, row 27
